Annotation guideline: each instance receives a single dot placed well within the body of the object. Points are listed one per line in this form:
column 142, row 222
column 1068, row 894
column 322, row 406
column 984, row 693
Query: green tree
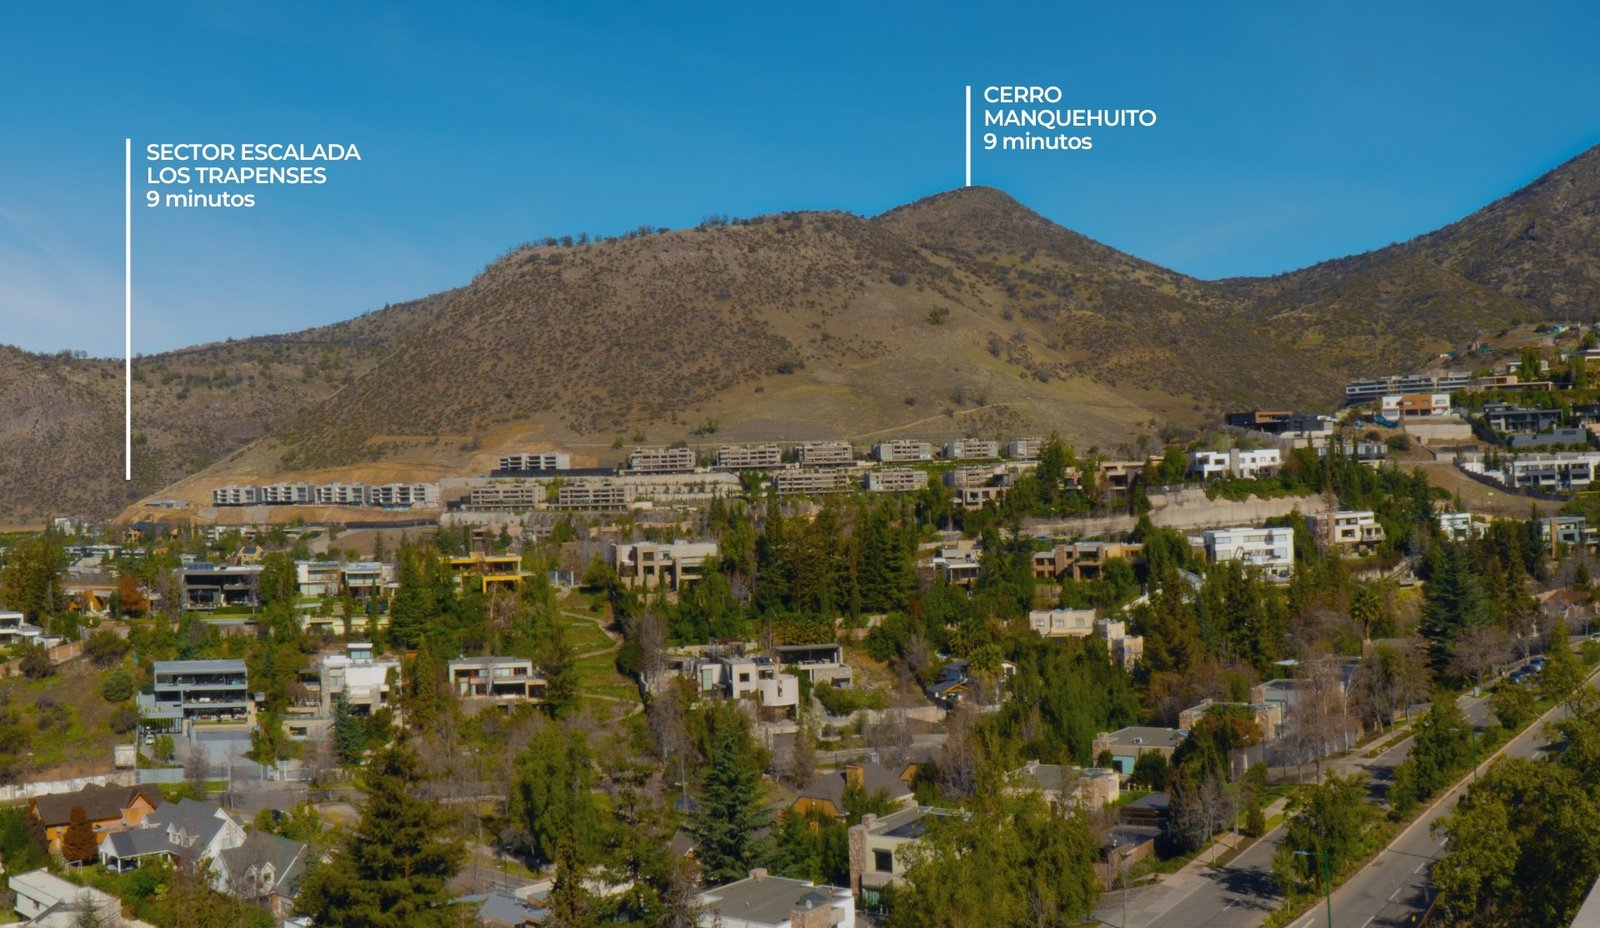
column 1012, row 861
column 1561, row 674
column 1513, row 705
column 553, row 797
column 394, row 869
column 730, row 813
column 117, row 686
column 560, row 671
column 30, row 581
column 1331, row 818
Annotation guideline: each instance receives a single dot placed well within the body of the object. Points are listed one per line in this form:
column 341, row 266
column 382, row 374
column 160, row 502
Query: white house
column 1270, row 549
column 1246, row 465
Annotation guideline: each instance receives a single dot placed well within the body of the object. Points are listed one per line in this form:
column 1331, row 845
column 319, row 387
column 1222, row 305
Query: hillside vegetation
column 963, row 313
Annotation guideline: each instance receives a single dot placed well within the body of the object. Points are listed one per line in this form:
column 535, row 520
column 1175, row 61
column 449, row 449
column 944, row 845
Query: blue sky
column 1288, row 133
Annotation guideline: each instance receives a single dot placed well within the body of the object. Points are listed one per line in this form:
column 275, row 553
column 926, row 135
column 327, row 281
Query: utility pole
column 1327, row 873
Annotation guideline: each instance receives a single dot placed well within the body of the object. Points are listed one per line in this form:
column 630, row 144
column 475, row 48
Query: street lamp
column 1327, row 872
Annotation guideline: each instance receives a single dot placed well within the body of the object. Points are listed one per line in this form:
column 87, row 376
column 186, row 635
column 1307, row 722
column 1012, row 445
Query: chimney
column 758, row 874
column 855, row 776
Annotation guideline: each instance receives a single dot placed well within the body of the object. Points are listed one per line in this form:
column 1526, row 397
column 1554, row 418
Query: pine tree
column 560, row 672
column 394, row 870
column 730, row 814
column 78, row 844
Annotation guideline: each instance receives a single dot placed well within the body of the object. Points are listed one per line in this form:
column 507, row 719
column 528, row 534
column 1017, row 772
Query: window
column 883, row 861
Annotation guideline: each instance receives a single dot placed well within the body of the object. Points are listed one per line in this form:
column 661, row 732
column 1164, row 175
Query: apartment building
column 234, row 495
column 197, row 691
column 895, row 480
column 825, row 454
column 391, row 495
column 1269, row 549
column 1348, row 528
column 1561, row 471
column 1361, row 391
column 649, row 565
column 661, row 461
column 1024, row 449
column 1403, row 406
column 403, row 495
column 1245, row 465
column 752, row 457
column 970, row 449
column 902, row 450
column 508, row 679
column 600, row 497
column 508, row 496
column 809, row 481
column 342, row 494
column 533, row 461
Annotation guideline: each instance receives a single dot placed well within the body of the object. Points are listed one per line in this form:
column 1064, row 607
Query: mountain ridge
column 963, row 309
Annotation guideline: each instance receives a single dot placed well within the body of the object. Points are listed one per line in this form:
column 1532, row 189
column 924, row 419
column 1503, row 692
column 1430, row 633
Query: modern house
column 1245, row 465
column 108, row 809
column 877, row 849
column 317, row 578
column 365, row 579
column 1462, row 526
column 1509, row 419
column 822, row 663
column 958, row 564
column 1561, row 471
column 1082, row 560
column 1360, row 391
column 490, row 571
column 1269, row 549
column 1351, row 529
column 508, row 679
column 356, row 675
column 1404, row 406
column 741, row 676
column 763, row 901
column 208, row 586
column 198, row 691
column 15, row 630
column 647, row 565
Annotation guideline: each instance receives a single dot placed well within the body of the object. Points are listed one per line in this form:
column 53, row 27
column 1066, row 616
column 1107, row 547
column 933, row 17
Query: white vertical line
column 127, row 309
column 969, row 135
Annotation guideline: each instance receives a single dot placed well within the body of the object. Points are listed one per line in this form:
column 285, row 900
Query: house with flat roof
column 1350, row 529
column 1082, row 560
column 14, row 629
column 208, row 586
column 1235, row 462
column 970, row 449
column 317, row 578
column 749, row 457
column 365, row 579
column 763, row 901
column 744, row 676
column 1269, row 549
column 198, row 691
column 648, row 565
column 901, row 450
column 823, row 663
column 895, row 480
column 661, row 461
column 509, row 679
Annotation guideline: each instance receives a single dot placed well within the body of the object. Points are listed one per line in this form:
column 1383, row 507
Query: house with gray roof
column 187, row 831
column 1086, row 788
column 504, row 910
column 763, row 901
column 265, row 869
column 826, row 794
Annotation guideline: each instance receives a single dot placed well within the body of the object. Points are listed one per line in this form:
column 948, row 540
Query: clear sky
column 1288, row 133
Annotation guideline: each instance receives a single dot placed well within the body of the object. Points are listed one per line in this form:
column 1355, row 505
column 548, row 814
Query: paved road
column 1394, row 889
column 1242, row 894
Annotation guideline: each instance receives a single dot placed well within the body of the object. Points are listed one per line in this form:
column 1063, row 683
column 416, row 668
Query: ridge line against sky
column 1286, row 137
